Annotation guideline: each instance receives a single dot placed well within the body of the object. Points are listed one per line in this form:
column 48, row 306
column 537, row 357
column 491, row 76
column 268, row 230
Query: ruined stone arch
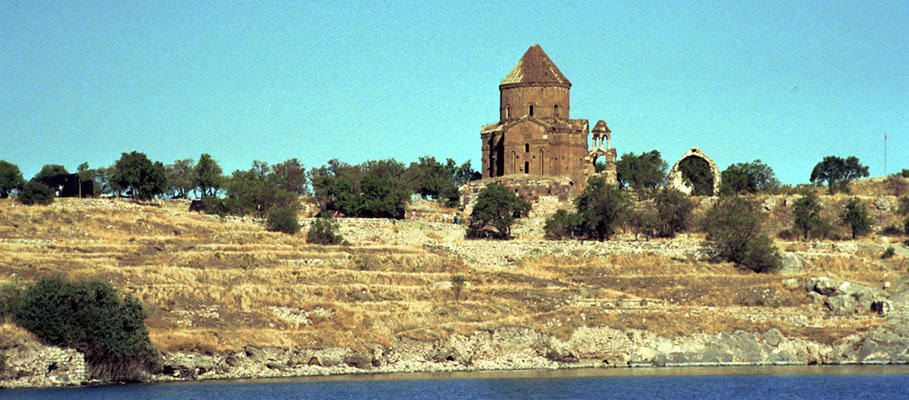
column 677, row 181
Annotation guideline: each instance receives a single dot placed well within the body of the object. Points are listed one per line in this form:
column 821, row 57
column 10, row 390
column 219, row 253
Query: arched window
column 526, row 167
column 555, row 110
column 531, row 110
column 507, row 112
column 514, row 162
column 527, row 147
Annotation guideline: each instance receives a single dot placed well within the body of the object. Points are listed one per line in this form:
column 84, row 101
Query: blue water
column 763, row 384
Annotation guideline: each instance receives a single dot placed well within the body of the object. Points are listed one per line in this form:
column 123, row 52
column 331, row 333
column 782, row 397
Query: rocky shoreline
column 506, row 348
column 519, row 348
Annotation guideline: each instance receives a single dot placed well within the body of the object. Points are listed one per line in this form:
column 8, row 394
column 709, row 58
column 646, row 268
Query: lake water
column 763, row 383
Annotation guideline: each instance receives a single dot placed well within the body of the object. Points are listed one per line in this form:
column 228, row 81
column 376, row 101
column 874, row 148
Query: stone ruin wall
column 531, row 188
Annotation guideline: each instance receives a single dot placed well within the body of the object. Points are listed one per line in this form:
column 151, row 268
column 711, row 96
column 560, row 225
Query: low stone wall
column 492, row 252
column 529, row 187
column 381, row 231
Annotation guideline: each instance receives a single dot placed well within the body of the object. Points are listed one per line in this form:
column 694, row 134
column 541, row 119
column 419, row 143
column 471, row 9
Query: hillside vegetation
column 212, row 284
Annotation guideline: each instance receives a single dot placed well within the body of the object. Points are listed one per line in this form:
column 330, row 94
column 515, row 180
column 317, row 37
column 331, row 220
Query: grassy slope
column 213, row 284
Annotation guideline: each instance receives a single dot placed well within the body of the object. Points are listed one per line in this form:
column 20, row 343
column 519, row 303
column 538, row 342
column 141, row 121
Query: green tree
column 498, row 207
column 696, row 171
column 457, row 285
column 562, row 225
column 646, row 171
column 93, row 318
column 838, row 172
column 461, row 174
column 750, row 177
column 50, row 170
column 10, row 178
column 673, row 210
column 734, row 231
column 382, row 198
column 374, row 189
column 336, row 186
column 254, row 192
column 35, row 193
column 896, row 184
column 282, row 219
column 807, row 214
column 207, row 176
column 602, row 208
column 855, row 216
column 645, row 221
column 100, row 175
column 290, row 176
column 323, row 231
column 432, row 180
column 135, row 173
column 180, row 178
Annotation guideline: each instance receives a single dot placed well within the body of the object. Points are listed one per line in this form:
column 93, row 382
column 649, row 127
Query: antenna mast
column 885, row 153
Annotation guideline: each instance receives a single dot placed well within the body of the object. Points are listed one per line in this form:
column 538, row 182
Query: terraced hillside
column 224, row 285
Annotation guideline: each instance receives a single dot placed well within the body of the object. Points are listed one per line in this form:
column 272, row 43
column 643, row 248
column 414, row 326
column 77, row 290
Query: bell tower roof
column 535, row 68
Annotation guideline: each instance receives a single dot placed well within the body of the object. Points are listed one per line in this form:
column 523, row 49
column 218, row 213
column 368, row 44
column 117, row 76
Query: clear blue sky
column 785, row 82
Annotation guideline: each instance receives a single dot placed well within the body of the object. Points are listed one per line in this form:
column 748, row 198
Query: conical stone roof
column 535, row 67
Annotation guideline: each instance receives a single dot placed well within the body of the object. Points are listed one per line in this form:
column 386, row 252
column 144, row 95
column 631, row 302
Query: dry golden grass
column 212, row 284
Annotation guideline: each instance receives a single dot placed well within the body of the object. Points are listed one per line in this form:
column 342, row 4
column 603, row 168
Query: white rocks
column 491, row 252
column 42, row 366
column 295, row 316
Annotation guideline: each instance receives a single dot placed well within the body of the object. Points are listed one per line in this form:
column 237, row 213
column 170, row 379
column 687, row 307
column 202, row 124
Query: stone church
column 535, row 134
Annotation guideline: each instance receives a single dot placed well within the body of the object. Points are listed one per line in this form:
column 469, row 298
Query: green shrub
column 855, row 216
column 904, row 173
column 282, row 220
column 734, row 231
column 602, row 208
column 645, row 221
column 367, row 262
column 36, row 193
column 673, row 210
column 10, row 178
column 903, row 208
column 457, row 285
column 10, row 298
column 499, row 208
column 889, row 252
column 322, row 231
column 906, row 226
column 561, row 225
column 214, row 206
column 807, row 215
column 94, row 318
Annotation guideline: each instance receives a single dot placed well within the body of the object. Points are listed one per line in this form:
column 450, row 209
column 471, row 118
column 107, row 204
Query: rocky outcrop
column 25, row 362
column 523, row 348
column 508, row 348
column 844, row 297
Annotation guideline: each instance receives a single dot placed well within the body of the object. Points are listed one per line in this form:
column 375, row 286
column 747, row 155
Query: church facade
column 535, row 134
